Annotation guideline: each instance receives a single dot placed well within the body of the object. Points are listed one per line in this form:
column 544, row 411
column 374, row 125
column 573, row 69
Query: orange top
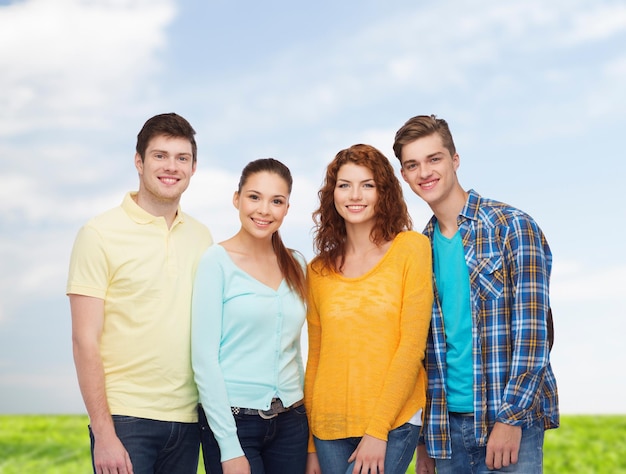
column 367, row 337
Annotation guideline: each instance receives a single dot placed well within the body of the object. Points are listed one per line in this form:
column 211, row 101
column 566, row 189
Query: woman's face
column 263, row 203
column 355, row 194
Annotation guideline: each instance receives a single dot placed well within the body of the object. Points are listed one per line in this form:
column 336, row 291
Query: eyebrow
column 165, row 152
column 259, row 192
column 413, row 160
column 348, row 181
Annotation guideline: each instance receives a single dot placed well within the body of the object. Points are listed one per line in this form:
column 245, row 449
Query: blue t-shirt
column 453, row 286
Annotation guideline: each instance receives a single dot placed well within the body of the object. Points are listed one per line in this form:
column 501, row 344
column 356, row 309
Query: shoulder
column 195, row 224
column 214, row 252
column 214, row 256
column 411, row 239
column 497, row 213
column 108, row 218
column 299, row 258
column 509, row 224
column 317, row 271
column 103, row 224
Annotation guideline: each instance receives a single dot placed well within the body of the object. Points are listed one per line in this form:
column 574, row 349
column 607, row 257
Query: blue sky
column 533, row 92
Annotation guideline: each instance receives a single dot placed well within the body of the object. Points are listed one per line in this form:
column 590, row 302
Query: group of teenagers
column 436, row 342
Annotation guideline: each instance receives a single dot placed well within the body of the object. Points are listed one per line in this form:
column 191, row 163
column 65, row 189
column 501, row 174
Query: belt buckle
column 267, row 414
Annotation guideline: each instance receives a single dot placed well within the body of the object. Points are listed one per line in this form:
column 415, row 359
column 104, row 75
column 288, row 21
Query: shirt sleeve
column 88, row 271
column 206, row 333
column 415, row 317
column 528, row 259
column 314, row 338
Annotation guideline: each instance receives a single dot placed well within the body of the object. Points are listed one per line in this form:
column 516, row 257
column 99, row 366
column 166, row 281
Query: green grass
column 60, row 445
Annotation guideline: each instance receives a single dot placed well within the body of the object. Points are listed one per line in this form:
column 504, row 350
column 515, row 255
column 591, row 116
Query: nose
column 356, row 193
column 264, row 207
column 170, row 163
column 425, row 170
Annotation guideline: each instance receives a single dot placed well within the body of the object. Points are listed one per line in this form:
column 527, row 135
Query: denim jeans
column 274, row 446
column 401, row 443
column 468, row 457
column 157, row 447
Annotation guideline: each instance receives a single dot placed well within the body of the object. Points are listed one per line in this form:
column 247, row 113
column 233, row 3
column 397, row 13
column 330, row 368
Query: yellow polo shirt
column 144, row 272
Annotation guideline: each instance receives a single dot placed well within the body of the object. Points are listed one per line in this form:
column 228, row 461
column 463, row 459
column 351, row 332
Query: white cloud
column 595, row 21
column 70, row 59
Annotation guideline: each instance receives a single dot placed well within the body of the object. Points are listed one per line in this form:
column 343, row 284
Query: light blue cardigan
column 245, row 344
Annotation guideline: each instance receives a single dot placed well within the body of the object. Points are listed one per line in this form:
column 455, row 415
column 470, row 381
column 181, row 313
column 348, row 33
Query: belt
column 456, row 413
column 275, row 409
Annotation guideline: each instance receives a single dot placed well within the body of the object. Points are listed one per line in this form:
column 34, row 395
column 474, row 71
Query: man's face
column 166, row 169
column 429, row 169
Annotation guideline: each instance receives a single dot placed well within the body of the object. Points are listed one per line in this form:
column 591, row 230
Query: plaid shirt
column 509, row 264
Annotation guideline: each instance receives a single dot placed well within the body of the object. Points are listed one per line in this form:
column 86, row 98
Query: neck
column 165, row 209
column 358, row 239
column 448, row 211
column 250, row 245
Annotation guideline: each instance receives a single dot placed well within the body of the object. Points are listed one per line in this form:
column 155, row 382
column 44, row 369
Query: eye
column 369, row 185
column 342, row 185
column 253, row 197
column 159, row 156
column 183, row 158
column 278, row 202
column 435, row 159
column 410, row 166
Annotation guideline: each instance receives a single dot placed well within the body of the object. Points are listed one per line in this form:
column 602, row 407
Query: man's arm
column 529, row 261
column 503, row 446
column 87, row 323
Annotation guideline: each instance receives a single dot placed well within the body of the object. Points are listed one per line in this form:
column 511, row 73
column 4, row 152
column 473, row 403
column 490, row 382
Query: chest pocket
column 490, row 274
column 489, row 269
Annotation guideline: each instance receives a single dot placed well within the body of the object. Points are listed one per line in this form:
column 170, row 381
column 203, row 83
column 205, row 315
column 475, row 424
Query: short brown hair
column 170, row 125
column 422, row 126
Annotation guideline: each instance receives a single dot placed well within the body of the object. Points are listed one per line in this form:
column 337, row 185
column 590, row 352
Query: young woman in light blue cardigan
column 247, row 315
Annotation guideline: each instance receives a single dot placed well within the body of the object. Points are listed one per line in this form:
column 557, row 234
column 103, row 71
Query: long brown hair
column 392, row 215
column 288, row 264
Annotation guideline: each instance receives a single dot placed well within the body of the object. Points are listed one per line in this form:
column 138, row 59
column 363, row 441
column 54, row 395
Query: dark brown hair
column 392, row 216
column 170, row 125
column 288, row 264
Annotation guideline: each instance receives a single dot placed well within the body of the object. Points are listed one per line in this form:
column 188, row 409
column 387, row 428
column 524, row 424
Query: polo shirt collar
column 140, row 215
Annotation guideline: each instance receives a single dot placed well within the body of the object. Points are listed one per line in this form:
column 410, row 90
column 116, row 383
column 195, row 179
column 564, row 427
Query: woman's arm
column 206, row 335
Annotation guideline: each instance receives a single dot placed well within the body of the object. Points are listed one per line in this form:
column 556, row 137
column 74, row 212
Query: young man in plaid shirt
column 491, row 390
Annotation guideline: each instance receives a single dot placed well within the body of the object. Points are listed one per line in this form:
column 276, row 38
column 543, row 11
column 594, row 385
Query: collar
column 141, row 216
column 469, row 212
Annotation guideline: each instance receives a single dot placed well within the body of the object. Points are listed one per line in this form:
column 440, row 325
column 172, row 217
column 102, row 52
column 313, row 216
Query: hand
column 424, row 464
column 503, row 445
column 238, row 465
column 369, row 456
column 110, row 456
column 313, row 464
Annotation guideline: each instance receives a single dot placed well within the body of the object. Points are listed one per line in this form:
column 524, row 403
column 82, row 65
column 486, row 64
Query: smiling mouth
column 263, row 223
column 168, row 180
column 356, row 207
column 428, row 185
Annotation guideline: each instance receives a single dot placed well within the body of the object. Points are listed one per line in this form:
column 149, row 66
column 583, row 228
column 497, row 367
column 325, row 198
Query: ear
column 287, row 208
column 236, row 200
column 193, row 168
column 138, row 163
column 456, row 160
column 403, row 175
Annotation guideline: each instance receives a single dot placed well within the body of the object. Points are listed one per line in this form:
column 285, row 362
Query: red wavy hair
column 392, row 215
